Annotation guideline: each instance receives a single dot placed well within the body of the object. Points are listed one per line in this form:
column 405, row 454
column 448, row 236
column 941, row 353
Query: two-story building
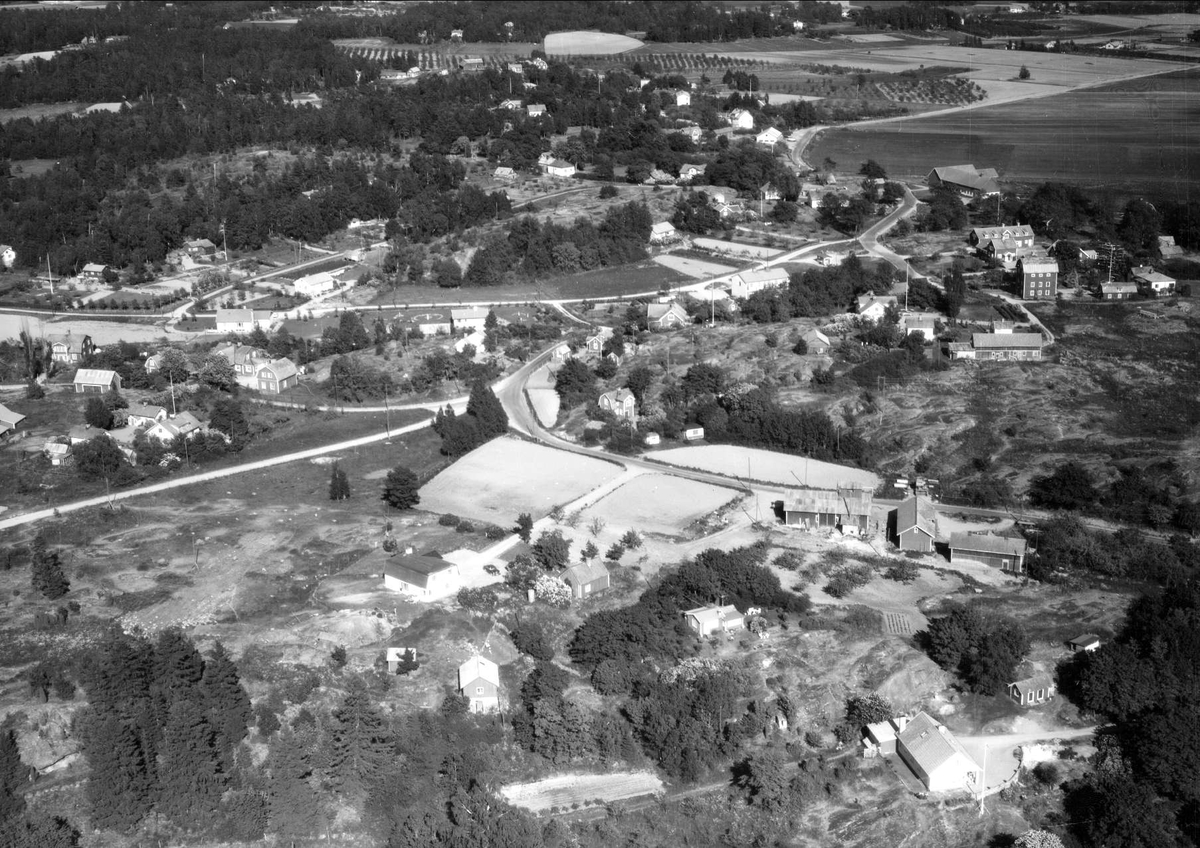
column 620, row 403
column 277, row 376
column 1039, row 277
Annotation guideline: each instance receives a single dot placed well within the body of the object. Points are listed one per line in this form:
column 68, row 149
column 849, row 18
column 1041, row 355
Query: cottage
column 1004, row 552
column 143, row 415
column 817, row 342
column 683, row 98
column 925, row 325
column 663, row 232
column 559, row 168
column 471, row 63
column 392, row 76
column 168, row 430
column 748, row 282
column 1088, row 256
column 874, row 307
column 200, row 248
column 594, row 344
column 535, row 110
column 937, row 759
column 706, row 621
column 561, row 353
column 277, row 376
column 1006, row 346
column 666, row 316
column 9, row 421
column 1039, row 277
column 693, row 134
column 915, row 527
column 740, row 119
column 586, row 579
column 1019, row 235
column 504, row 174
column 96, row 381
column 422, row 576
column 512, row 105
column 1149, row 280
column 1117, row 291
column 620, row 403
column 515, row 67
column 1167, row 248
column 1031, row 691
column 1004, row 251
column 479, row 681
column 8, row 256
column 58, row 452
column 69, row 349
column 1087, row 642
column 966, row 180
column 687, row 173
column 315, row 284
column 242, row 320
column 847, row 509
column 93, row 272
column 468, row 319
column 768, row 137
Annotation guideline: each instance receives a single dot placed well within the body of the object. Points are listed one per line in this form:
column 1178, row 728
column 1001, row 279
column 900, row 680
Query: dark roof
column 413, row 569
column 916, row 512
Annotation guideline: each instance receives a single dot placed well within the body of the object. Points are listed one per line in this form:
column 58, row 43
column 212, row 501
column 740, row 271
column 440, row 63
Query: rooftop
column 1003, row 341
column 929, row 743
column 986, row 543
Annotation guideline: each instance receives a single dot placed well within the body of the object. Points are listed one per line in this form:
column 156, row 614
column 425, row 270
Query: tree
column 1023, row 73
column 114, row 400
column 1141, row 224
column 13, row 774
column 784, row 212
column 984, row 650
column 225, row 701
column 1120, row 812
column 46, row 571
column 872, row 170
column 339, row 484
column 530, row 638
column 956, row 290
column 589, row 552
column 362, row 746
column 800, row 348
column 119, row 788
column 1038, row 839
column 229, row 417
column 1071, row 486
column 217, row 372
column 631, row 540
column 525, row 526
column 400, row 490
column 173, row 365
column 485, row 408
column 447, row 274
column 190, row 779
column 552, row 551
column 862, row 710
column 765, row 779
column 97, row 414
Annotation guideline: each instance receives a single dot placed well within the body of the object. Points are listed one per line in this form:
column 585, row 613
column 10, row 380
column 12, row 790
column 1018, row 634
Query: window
column 1041, row 694
column 478, row 690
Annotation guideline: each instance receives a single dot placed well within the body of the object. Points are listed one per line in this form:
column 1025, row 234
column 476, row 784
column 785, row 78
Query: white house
column 693, row 134
column 512, row 104
column 142, row 415
column 705, row 621
column 8, row 256
column 535, row 110
column 768, row 137
column 873, row 306
column 663, row 232
column 620, row 403
column 926, row 325
column 468, row 318
column 504, row 174
column 559, row 168
column 749, row 282
column 421, row 576
column 683, row 98
column 96, row 381
column 315, row 284
column 184, row 424
column 479, row 680
column 936, row 757
column 689, row 172
column 242, row 320
column 1148, row 278
column 740, row 119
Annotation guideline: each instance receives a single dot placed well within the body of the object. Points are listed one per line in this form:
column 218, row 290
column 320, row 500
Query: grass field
column 768, row 466
column 38, row 111
column 1139, row 135
column 657, row 503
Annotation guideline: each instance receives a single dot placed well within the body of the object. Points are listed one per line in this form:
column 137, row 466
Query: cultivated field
column 568, row 790
column 439, row 57
column 695, row 268
column 767, row 466
column 588, row 43
column 1136, row 135
column 656, row 503
column 506, row 477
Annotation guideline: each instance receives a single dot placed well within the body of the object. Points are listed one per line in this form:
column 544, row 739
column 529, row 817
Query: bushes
column 845, row 580
column 449, row 520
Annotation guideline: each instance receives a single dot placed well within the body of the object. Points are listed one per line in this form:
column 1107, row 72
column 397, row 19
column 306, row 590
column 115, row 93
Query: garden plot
column 696, row 268
column 767, row 466
column 505, row 477
column 569, row 790
column 656, row 503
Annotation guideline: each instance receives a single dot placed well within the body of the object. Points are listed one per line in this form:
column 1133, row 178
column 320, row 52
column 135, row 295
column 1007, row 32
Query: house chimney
column 408, row 551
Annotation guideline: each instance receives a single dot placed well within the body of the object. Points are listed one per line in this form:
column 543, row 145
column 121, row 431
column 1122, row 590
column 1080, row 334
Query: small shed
column 1086, row 642
column 706, row 621
column 1003, row 552
column 587, row 579
column 1033, row 690
column 96, row 381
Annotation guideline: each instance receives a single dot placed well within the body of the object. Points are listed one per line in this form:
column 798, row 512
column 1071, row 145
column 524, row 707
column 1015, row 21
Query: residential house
column 427, row 323
column 512, row 105
column 880, row 737
column 516, row 67
column 915, row 527
column 768, row 137
column 1117, row 291
column 479, row 681
column 456, row 35
column 1167, row 248
column 1087, row 256
column 966, row 180
column 559, row 168
column 663, row 232
column 184, row 424
column 693, row 134
column 471, row 63
column 1004, row 251
column 937, row 759
column 768, row 191
column 1006, row 346
column 535, row 110
column 594, row 344
column 122, row 437
column 1020, row 235
column 69, row 349
column 142, row 415
column 620, row 403
column 242, row 320
column 817, row 342
column 847, row 509
column 392, row 76
column 687, row 173
column 924, row 324
column 740, row 119
column 1039, row 277
column 1034, row 690
column 1149, row 280
column 748, row 282
column 315, row 284
column 1087, row 642
column 683, row 98
column 277, row 376
column 666, row 316
column 93, row 272
column 710, row 620
column 505, row 174
column 96, row 381
column 874, row 307
column 1004, row 552
column 1002, row 327
column 8, row 256
column 9, row 421
column 468, row 318
column 422, row 576
column 200, row 248
column 561, row 353
column 246, row 361
column 586, row 579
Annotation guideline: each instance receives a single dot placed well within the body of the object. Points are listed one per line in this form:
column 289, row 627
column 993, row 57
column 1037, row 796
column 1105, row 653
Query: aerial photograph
column 607, row 424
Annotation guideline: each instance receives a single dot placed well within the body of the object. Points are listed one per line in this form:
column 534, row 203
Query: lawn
column 767, row 466
column 657, row 503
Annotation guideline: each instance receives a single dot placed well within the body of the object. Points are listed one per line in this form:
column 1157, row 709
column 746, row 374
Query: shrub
column 495, row 533
column 449, row 520
column 905, row 571
column 1047, row 773
column 631, row 540
column 789, row 560
column 615, row 552
column 465, row 526
column 846, row 580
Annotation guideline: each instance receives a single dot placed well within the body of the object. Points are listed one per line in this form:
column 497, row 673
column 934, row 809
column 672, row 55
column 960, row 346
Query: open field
column 568, row 790
column 437, row 57
column 767, row 466
column 1138, row 135
column 588, row 43
column 37, row 112
column 506, row 477
column 102, row 332
column 695, row 268
column 656, row 503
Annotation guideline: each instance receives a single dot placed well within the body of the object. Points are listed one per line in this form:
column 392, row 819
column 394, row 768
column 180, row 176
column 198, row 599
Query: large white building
column 315, row 284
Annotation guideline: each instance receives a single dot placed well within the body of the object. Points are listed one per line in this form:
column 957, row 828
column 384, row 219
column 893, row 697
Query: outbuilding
column 1003, row 552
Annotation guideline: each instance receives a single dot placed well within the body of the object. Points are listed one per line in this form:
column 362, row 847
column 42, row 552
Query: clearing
column 697, row 268
column 505, row 477
column 656, row 503
column 767, row 466
column 569, row 790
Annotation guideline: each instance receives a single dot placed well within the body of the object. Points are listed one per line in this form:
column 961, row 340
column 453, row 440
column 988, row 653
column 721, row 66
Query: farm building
column 966, row 180
column 915, row 526
column 242, row 320
column 1020, row 235
column 1037, row 689
column 749, row 282
column 663, row 232
column 847, row 509
column 96, row 381
column 277, row 376
column 874, row 306
column 9, row 421
column 620, row 403
column 666, row 316
column 1086, row 642
column 423, row 576
column 586, row 579
column 479, row 681
column 705, row 621
column 1012, row 346
column 937, row 759
column 315, row 284
column 818, row 342
column 1149, row 280
column 468, row 318
column 1039, row 277
column 1003, row 552
column 1117, row 291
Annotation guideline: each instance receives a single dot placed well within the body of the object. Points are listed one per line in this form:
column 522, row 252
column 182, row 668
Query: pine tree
column 178, row 669
column 13, row 774
column 119, row 788
column 293, row 807
column 226, row 702
column 339, row 484
column 487, row 410
column 362, row 745
column 46, row 571
column 190, row 778
column 400, row 489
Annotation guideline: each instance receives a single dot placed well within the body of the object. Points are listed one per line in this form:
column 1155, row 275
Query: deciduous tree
column 400, row 490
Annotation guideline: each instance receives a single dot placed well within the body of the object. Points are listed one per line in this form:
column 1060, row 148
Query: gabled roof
column 1040, row 680
column 986, row 543
column 968, row 177
column 478, row 668
column 1038, row 265
column 714, row 614
column 766, row 275
column 94, row 376
column 1152, row 277
column 866, row 301
column 239, row 353
column 7, row 416
column 585, row 572
column 916, row 512
column 94, row 268
column 1118, row 288
column 618, row 397
column 1085, row 640
column 999, row 244
column 830, row 502
column 930, row 744
column 144, row 411
column 656, row 311
column 469, row 313
column 662, row 228
column 1023, row 231
column 414, row 569
column 1007, row 341
column 813, row 334
column 281, row 368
